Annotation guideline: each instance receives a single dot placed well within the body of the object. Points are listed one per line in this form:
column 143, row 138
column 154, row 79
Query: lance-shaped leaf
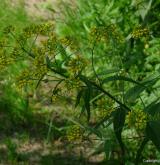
column 107, row 148
column 118, row 124
column 79, row 96
column 123, row 78
column 108, row 71
column 153, row 133
column 133, row 93
column 153, row 108
column 140, row 150
column 153, row 126
column 86, row 98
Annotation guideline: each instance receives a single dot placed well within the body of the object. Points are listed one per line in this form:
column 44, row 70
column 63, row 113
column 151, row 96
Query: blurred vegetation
column 13, row 14
column 90, row 75
column 13, row 107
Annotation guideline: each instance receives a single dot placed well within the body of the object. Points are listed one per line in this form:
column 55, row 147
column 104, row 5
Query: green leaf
column 133, row 93
column 109, row 71
column 48, row 62
column 144, row 8
column 39, row 81
column 82, row 111
column 153, row 133
column 101, row 122
column 87, row 96
column 139, row 152
column 57, row 63
column 153, row 108
column 107, row 148
column 153, row 126
column 61, row 70
column 96, row 97
column 116, row 77
column 118, row 124
column 78, row 98
column 94, row 131
column 62, row 51
column 51, row 9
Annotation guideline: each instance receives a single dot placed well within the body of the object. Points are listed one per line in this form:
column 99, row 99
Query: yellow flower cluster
column 39, row 51
column 140, row 32
column 21, row 39
column 74, row 133
column 50, row 44
column 15, row 53
column 106, row 33
column 56, row 93
column 114, row 33
column 54, row 98
column 102, row 113
column 24, row 79
column 72, row 83
column 95, row 34
column 77, row 64
column 4, row 60
column 102, row 102
column 8, row 29
column 69, row 42
column 38, row 29
column 3, row 42
column 40, row 67
column 105, row 108
column 40, row 71
column 137, row 119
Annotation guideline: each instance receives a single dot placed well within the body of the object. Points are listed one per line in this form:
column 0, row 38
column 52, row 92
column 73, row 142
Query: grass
column 10, row 102
column 12, row 15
